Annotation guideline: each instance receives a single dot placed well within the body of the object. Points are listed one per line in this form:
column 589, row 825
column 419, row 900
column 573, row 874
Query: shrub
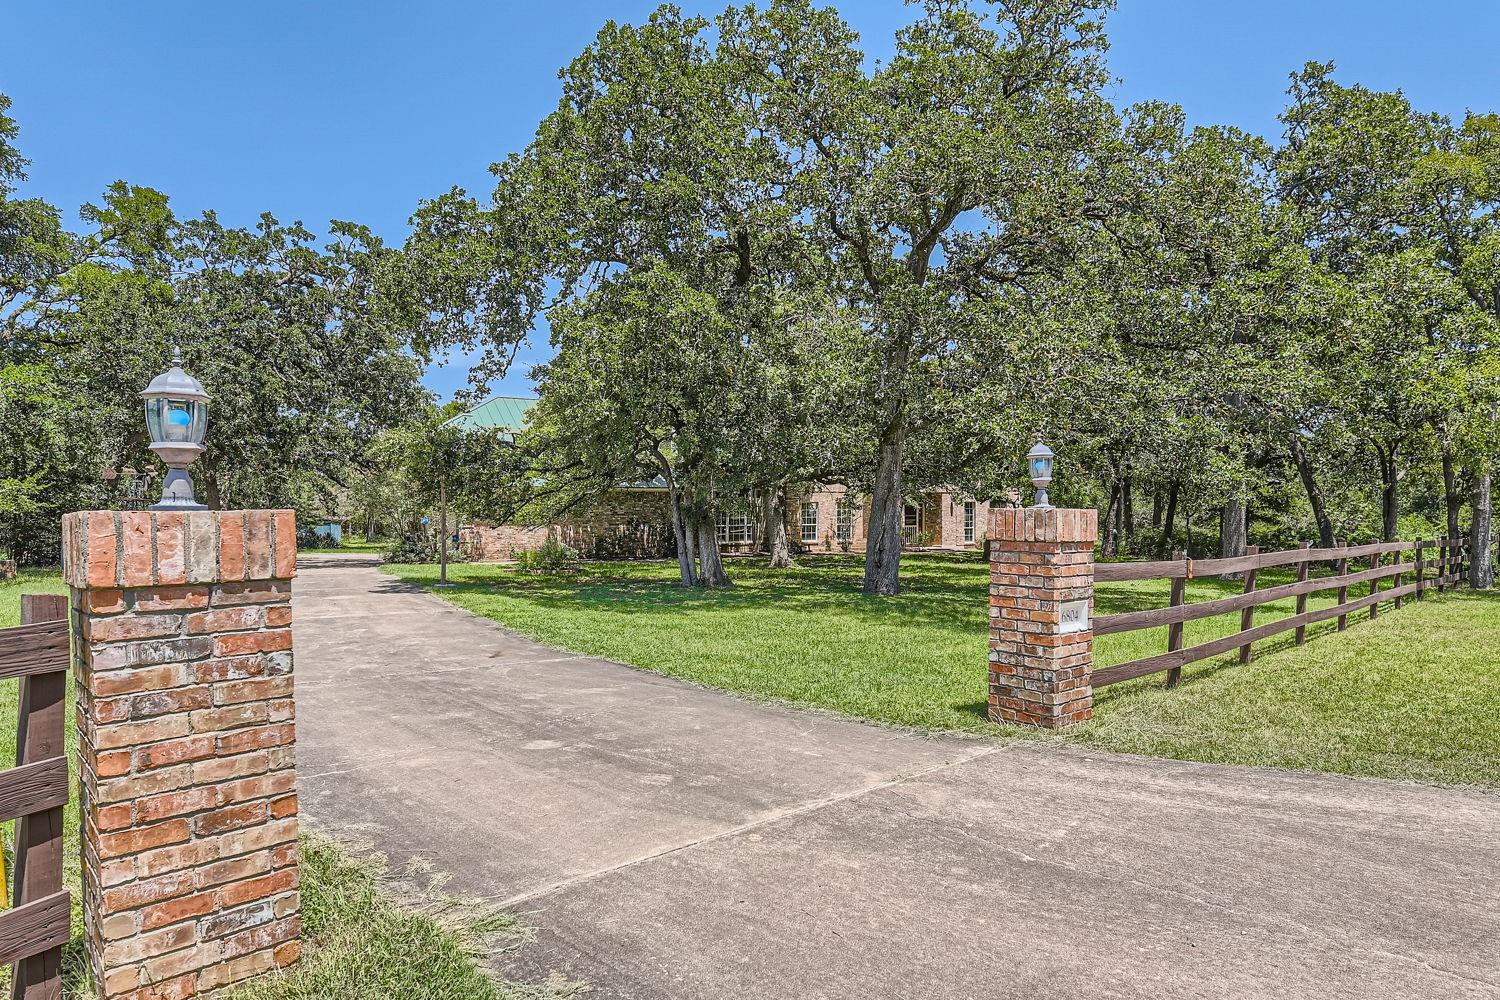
column 553, row 556
column 418, row 547
column 412, row 549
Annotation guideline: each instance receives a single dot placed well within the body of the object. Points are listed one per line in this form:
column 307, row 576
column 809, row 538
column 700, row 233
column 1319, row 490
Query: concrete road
column 668, row 841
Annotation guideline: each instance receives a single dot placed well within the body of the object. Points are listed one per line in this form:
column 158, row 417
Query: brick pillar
column 183, row 669
column 1041, row 637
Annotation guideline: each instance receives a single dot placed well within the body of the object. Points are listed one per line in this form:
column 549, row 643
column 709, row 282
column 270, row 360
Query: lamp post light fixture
column 1039, row 465
column 177, row 417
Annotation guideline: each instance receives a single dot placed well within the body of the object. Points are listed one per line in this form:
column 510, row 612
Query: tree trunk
column 1168, row 520
column 1451, row 500
column 777, row 545
column 1109, row 519
column 1156, row 510
column 687, row 575
column 1233, row 531
column 443, row 531
column 1314, row 492
column 710, row 566
column 1388, row 497
column 213, row 496
column 1481, row 531
column 1127, row 512
column 883, row 533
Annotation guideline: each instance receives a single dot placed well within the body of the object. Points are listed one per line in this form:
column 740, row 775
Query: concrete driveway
column 670, row 841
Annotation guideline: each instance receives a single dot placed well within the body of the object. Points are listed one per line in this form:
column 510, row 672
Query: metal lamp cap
column 174, row 383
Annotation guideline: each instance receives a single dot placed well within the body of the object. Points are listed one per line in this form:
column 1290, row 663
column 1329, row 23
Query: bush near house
column 552, row 557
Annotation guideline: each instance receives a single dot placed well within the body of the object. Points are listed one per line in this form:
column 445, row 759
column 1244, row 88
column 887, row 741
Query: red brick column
column 183, row 669
column 1041, row 568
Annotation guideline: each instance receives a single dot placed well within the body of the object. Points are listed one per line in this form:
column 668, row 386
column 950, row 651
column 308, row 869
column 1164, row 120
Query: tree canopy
column 765, row 260
column 741, row 230
column 304, row 349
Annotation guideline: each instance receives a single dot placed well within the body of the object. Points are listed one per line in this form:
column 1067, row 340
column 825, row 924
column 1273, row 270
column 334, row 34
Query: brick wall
column 827, row 497
column 942, row 520
column 623, row 524
column 636, row 524
column 950, row 522
column 183, row 669
column 1039, row 561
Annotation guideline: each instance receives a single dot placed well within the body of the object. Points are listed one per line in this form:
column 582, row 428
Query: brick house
column 633, row 521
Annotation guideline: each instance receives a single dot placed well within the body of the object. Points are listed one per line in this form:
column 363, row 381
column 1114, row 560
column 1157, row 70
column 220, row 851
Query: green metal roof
column 504, row 413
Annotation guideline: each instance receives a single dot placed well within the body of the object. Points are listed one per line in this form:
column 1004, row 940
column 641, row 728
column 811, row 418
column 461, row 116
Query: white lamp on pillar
column 177, row 417
column 1039, row 465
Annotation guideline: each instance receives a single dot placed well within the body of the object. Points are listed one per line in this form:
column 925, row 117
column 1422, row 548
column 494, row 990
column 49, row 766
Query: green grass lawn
column 1411, row 695
column 27, row 581
column 367, row 935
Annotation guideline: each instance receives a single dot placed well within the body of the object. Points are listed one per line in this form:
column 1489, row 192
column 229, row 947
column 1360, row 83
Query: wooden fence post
column 1343, row 596
column 1396, row 583
column 1302, row 568
column 1247, row 616
column 39, row 836
column 1375, row 562
column 1421, row 567
column 1174, row 630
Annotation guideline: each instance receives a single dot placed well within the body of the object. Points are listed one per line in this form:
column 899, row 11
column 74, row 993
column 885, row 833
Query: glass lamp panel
column 199, row 425
column 154, row 418
column 177, row 420
column 1040, row 468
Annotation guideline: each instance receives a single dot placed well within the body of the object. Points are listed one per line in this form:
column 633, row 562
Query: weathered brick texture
column 1040, row 560
column 622, row 524
column 183, row 669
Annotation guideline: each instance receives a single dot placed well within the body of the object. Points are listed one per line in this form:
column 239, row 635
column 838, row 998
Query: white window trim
column 734, row 529
column 809, row 507
column 844, row 521
column 971, row 520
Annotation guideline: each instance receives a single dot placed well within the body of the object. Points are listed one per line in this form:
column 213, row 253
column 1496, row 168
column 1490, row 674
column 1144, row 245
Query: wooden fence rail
column 36, row 790
column 1441, row 570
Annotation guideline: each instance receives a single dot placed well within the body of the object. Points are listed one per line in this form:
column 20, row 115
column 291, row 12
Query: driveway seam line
column 776, row 816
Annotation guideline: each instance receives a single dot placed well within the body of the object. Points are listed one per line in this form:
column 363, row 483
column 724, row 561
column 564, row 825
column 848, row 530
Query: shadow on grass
column 949, row 591
column 942, row 591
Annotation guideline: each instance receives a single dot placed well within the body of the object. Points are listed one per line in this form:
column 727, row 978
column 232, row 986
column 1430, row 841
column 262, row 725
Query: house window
column 735, row 529
column 971, row 512
column 809, row 522
column 845, row 522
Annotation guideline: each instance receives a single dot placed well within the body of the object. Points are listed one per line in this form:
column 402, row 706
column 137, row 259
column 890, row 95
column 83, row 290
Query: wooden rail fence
column 36, row 790
column 1435, row 563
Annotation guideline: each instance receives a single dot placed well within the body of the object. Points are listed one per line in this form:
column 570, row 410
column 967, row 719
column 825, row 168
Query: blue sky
column 355, row 110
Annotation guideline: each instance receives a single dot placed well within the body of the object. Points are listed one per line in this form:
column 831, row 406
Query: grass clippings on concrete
column 372, row 935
